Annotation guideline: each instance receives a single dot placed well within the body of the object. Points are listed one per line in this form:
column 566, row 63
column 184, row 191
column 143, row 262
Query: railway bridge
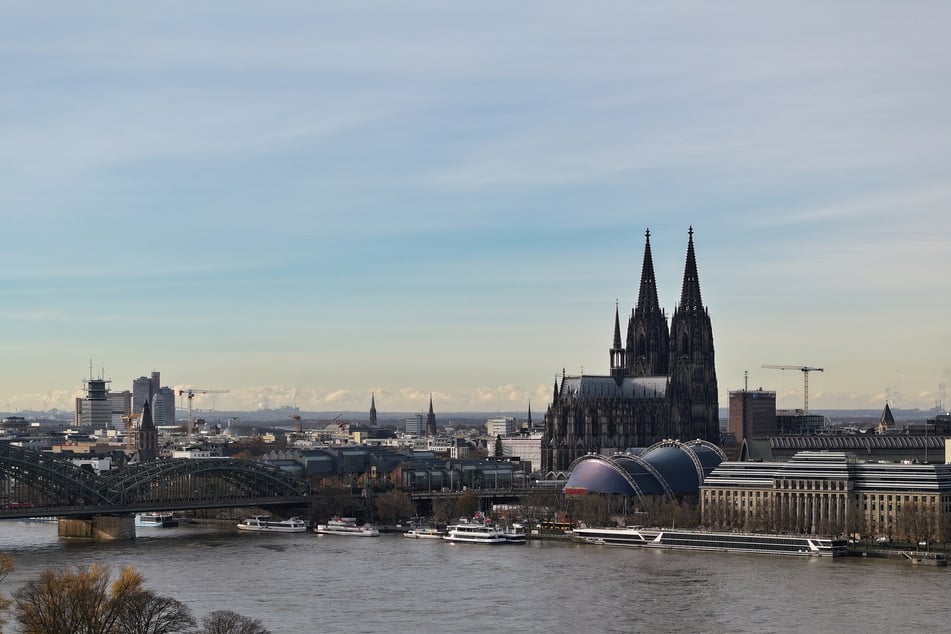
column 39, row 484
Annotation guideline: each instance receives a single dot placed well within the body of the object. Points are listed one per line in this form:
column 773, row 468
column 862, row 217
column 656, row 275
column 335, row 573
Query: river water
column 295, row 583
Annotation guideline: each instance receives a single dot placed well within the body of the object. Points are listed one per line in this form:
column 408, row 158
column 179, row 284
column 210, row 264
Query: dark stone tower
column 430, row 419
column 372, row 410
column 147, row 436
column 693, row 378
column 647, row 334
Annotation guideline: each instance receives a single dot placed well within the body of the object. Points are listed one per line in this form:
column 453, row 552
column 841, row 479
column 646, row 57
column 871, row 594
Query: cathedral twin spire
column 648, row 334
column 690, row 300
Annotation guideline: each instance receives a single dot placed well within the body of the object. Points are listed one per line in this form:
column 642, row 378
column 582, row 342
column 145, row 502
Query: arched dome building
column 670, row 468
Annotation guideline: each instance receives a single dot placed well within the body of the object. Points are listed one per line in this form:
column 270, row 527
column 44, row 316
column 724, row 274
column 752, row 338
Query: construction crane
column 190, row 394
column 805, row 380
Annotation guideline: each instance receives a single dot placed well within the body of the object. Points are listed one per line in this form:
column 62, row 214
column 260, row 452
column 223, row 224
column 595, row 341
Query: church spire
column 617, row 351
column 647, row 295
column 372, row 410
column 617, row 328
column 431, row 419
column 690, row 300
column 647, row 334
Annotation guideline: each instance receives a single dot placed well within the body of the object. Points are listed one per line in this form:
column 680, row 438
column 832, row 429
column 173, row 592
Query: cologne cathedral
column 663, row 383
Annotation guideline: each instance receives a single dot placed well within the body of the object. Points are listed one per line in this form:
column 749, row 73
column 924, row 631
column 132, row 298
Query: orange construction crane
column 805, row 380
column 190, row 394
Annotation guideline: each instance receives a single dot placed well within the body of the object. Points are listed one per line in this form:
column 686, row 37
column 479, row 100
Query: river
column 295, row 583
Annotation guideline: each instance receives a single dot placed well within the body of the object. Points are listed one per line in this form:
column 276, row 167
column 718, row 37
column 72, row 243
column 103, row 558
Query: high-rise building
column 95, row 409
column 663, row 385
column 163, row 412
column 752, row 414
column 141, row 392
column 414, row 425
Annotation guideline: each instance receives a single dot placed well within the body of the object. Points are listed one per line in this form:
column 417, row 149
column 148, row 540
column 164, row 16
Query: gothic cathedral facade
column 662, row 385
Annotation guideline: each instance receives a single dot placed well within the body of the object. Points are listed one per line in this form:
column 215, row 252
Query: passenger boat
column 749, row 543
column 424, row 533
column 263, row 523
column 624, row 536
column 157, row 519
column 474, row 533
column 346, row 526
column 513, row 536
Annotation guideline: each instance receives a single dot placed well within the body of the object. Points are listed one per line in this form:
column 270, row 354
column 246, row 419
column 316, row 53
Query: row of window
column 811, row 485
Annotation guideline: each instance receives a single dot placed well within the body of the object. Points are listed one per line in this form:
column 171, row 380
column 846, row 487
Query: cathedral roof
column 591, row 386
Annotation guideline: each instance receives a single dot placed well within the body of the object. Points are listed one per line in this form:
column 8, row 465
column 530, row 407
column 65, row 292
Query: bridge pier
column 97, row 527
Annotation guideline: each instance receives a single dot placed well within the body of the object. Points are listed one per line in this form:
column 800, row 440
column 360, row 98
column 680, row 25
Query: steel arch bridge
column 36, row 483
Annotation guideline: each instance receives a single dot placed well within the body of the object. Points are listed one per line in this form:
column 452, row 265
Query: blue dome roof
column 669, row 467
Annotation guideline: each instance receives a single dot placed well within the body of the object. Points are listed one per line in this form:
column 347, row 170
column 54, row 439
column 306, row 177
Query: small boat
column 156, row 519
column 927, row 559
column 263, row 523
column 514, row 536
column 424, row 533
column 346, row 526
column 467, row 532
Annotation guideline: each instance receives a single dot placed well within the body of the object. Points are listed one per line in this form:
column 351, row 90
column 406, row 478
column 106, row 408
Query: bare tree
column 83, row 598
column 392, row 505
column 6, row 567
column 147, row 613
column 227, row 622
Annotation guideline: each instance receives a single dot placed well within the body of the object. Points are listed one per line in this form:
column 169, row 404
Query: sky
column 308, row 203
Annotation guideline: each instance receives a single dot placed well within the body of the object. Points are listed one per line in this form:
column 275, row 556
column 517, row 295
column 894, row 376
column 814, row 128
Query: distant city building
column 500, row 426
column 527, row 448
column 121, row 406
column 163, row 411
column 95, row 410
column 662, row 385
column 415, row 425
column 871, row 446
column 372, row 422
column 795, row 422
column 161, row 400
column 141, row 392
column 752, row 414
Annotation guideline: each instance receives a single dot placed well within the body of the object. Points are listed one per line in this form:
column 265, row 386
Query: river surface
column 297, row 583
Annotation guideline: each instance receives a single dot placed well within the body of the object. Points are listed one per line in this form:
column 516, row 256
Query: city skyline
column 309, row 205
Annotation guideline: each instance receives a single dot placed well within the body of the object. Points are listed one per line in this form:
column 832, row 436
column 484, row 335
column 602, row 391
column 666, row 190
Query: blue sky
column 306, row 203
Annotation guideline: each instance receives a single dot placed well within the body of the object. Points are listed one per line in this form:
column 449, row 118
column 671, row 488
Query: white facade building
column 502, row 426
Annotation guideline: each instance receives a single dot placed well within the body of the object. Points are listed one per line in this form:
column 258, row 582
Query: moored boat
column 424, row 533
column 623, row 536
column 346, row 526
column 514, row 536
column 474, row 533
column 263, row 523
column 155, row 520
column 769, row 544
